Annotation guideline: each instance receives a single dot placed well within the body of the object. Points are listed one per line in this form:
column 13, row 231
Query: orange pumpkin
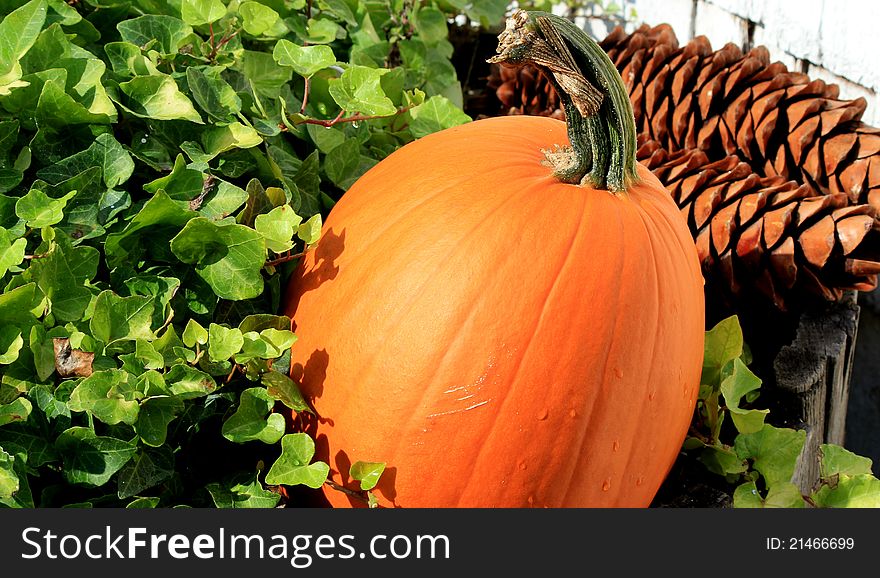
column 497, row 337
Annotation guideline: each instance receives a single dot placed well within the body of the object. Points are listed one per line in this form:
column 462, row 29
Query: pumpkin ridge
column 656, row 340
column 588, row 413
column 578, row 231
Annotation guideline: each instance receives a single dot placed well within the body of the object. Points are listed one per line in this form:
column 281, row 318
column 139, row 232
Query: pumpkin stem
column 601, row 127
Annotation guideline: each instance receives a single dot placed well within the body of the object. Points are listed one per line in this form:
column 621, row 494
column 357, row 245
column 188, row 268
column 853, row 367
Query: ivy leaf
column 260, row 20
column 61, row 274
column 723, row 344
column 783, row 495
column 149, row 468
column 109, row 395
column 228, row 256
column 223, row 342
column 122, row 318
column 19, row 30
column 194, row 333
column 17, row 410
column 436, row 114
column 293, row 467
column 367, row 473
column 157, row 97
column 188, row 382
column 247, row 494
column 143, row 504
column 38, row 210
column 252, row 420
column 160, row 212
column 9, row 482
column 168, row 32
column 836, row 461
column 858, row 491
column 90, row 459
column 359, row 89
column 734, row 387
column 213, row 94
column 11, row 342
column 196, row 12
column 282, row 388
column 305, row 60
column 431, row 24
column 773, row 450
column 722, row 460
column 106, row 153
column 12, row 251
column 310, row 231
column 278, row 227
column 154, row 416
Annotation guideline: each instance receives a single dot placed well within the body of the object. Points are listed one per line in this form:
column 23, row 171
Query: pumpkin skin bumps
column 496, row 337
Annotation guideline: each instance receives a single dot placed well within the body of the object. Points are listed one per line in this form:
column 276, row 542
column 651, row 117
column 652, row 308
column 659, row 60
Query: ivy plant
column 759, row 459
column 163, row 166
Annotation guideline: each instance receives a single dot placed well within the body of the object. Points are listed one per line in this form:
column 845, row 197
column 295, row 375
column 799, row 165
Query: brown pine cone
column 725, row 102
column 766, row 235
column 524, row 90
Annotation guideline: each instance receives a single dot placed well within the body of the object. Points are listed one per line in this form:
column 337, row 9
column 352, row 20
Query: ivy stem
column 285, row 258
column 601, row 126
column 353, row 118
column 346, row 491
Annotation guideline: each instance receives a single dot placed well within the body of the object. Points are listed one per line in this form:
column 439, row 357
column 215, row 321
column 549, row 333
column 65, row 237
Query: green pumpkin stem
column 601, row 127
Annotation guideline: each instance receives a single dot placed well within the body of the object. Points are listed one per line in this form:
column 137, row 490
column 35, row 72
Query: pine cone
column 725, row 102
column 524, row 90
column 778, row 178
column 766, row 235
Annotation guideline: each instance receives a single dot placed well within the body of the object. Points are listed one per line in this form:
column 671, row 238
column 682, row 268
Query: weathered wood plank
column 812, row 376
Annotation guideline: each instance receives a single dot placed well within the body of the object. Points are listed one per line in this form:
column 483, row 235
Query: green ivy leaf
column 158, row 98
column 223, row 342
column 187, row 382
column 836, row 461
column 278, row 227
column 773, row 450
column 154, row 416
column 17, row 410
column 196, row 12
column 367, row 473
column 293, row 467
column 282, row 388
column 212, row 93
column 246, row 494
column 19, row 30
column 109, row 395
column 359, row 89
column 783, row 495
column 228, row 256
column 38, row 210
column 858, row 491
column 253, row 420
column 89, row 459
column 143, row 504
column 9, row 483
column 194, row 333
column 260, row 20
column 11, row 342
column 118, row 318
column 736, row 386
column 723, row 344
column 149, row 468
column 12, row 251
column 310, row 231
column 167, row 32
column 436, row 114
column 61, row 274
column 305, row 60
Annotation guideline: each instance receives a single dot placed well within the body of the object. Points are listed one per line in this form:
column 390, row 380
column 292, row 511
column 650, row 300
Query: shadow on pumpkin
column 311, row 376
column 324, row 268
